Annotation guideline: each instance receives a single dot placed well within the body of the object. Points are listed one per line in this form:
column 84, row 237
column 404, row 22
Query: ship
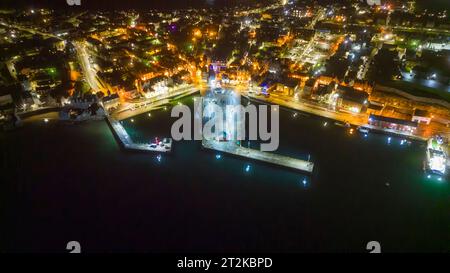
column 436, row 161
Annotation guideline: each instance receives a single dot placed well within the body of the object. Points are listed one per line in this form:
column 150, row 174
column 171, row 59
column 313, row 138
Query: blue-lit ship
column 436, row 161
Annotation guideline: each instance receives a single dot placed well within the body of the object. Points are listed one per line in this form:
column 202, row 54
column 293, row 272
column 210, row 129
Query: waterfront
column 86, row 188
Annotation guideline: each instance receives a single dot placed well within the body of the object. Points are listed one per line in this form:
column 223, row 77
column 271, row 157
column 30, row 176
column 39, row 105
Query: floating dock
column 280, row 160
column 128, row 144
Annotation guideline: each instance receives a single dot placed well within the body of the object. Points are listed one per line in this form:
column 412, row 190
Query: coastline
column 339, row 117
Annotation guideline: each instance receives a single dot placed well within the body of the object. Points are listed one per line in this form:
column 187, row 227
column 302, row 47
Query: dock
column 128, row 144
column 392, row 132
column 280, row 160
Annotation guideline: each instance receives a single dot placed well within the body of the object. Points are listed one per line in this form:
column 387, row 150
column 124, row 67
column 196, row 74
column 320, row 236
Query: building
column 83, row 102
column 349, row 99
column 156, row 86
column 287, row 87
column 421, row 116
column 8, row 117
column 111, row 102
column 6, row 105
column 309, row 87
column 395, row 124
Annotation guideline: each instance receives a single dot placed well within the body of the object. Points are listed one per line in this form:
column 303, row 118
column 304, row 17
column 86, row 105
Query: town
column 375, row 72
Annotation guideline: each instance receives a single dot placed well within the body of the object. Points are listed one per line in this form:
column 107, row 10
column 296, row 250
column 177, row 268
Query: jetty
column 128, row 144
column 271, row 158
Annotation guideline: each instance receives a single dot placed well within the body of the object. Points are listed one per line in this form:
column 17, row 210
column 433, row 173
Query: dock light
column 158, row 158
column 247, row 168
column 149, row 114
column 304, row 182
column 428, row 176
column 132, row 120
column 389, row 140
column 366, row 135
column 325, row 124
column 218, row 156
column 46, row 120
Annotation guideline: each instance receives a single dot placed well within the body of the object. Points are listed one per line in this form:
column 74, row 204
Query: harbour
column 126, row 186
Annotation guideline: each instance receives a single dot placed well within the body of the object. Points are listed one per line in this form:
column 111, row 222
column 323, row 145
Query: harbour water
column 68, row 183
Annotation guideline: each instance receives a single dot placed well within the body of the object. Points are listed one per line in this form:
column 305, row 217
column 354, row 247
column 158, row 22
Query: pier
column 128, row 144
column 280, row 160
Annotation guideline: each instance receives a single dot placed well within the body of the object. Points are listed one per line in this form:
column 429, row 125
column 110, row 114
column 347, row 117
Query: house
column 156, row 85
column 287, row 87
column 111, row 102
column 6, row 105
column 349, row 99
column 309, row 87
column 83, row 102
column 421, row 116
column 8, row 117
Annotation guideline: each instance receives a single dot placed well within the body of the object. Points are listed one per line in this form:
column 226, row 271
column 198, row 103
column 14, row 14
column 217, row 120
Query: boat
column 363, row 130
column 341, row 124
column 167, row 143
column 436, row 162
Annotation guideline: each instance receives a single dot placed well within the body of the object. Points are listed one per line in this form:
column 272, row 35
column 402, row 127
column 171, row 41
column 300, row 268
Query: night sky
column 125, row 4
column 174, row 4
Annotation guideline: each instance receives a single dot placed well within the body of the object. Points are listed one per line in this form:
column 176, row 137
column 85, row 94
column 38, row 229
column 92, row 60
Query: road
column 304, row 106
column 131, row 109
column 400, row 28
column 88, row 71
column 30, row 30
column 318, row 17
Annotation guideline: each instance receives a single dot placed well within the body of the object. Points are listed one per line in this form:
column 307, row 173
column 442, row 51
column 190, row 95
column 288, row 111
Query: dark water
column 68, row 183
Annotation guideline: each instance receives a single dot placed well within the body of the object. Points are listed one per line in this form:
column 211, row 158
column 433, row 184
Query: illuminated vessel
column 436, row 162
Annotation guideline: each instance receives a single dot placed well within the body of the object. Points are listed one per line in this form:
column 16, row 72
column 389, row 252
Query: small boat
column 339, row 124
column 363, row 130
